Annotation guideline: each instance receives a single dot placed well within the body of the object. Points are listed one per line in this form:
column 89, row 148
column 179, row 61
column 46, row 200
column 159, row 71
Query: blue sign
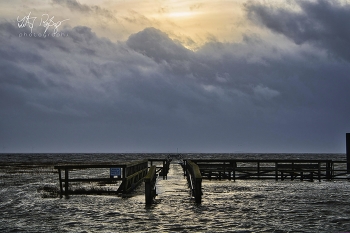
column 115, row 171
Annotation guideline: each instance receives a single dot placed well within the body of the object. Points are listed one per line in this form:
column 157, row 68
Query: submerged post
column 60, row 180
column 150, row 185
column 348, row 152
column 66, row 178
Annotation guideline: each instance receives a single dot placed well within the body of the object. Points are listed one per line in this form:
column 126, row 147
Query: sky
column 83, row 76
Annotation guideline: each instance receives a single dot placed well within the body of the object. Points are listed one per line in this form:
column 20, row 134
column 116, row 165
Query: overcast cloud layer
column 284, row 90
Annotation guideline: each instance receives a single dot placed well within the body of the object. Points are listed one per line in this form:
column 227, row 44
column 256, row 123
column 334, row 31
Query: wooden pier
column 277, row 169
column 129, row 175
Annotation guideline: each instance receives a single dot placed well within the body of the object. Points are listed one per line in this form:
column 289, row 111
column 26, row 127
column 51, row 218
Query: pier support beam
column 348, row 152
column 66, row 182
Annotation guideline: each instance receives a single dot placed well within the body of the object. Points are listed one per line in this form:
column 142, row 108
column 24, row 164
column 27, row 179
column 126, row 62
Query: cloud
column 135, row 18
column 149, row 93
column 321, row 23
column 74, row 5
column 157, row 45
column 196, row 6
column 264, row 92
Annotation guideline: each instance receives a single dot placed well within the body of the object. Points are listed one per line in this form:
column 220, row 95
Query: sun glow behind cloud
column 192, row 23
column 182, row 14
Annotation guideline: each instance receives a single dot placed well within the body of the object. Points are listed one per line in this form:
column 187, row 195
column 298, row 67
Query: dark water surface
column 241, row 206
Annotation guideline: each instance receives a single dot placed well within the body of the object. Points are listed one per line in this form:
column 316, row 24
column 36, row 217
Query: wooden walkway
column 125, row 177
column 198, row 169
column 277, row 169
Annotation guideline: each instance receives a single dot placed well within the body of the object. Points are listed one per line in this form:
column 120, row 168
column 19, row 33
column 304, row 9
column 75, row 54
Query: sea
column 29, row 200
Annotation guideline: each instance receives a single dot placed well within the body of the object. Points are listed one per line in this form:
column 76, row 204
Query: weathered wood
column 66, row 182
column 164, row 169
column 60, row 181
column 150, row 185
column 131, row 182
column 194, row 178
column 132, row 174
column 348, row 152
column 270, row 169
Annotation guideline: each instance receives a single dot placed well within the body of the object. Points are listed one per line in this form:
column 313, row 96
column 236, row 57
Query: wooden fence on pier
column 232, row 169
column 194, row 179
column 129, row 174
column 271, row 169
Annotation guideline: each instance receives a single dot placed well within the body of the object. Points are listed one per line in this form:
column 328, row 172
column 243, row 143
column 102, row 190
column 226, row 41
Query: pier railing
column 194, row 179
column 162, row 166
column 129, row 174
column 271, row 169
column 150, row 185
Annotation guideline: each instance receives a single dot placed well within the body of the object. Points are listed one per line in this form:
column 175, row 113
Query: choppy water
column 227, row 206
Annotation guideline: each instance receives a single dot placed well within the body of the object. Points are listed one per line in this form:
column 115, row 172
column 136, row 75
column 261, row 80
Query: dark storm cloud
column 322, row 23
column 157, row 45
column 86, row 93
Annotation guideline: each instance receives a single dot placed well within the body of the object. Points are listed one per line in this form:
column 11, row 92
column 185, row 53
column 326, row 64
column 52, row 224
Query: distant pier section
column 119, row 178
column 277, row 169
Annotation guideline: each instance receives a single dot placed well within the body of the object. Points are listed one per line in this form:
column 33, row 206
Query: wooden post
column 185, row 167
column 348, row 152
column 224, row 176
column 66, row 177
column 150, row 183
column 276, row 171
column 319, row 171
column 258, row 170
column 328, row 170
column 125, row 174
column 198, row 190
column 234, row 171
column 60, row 180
